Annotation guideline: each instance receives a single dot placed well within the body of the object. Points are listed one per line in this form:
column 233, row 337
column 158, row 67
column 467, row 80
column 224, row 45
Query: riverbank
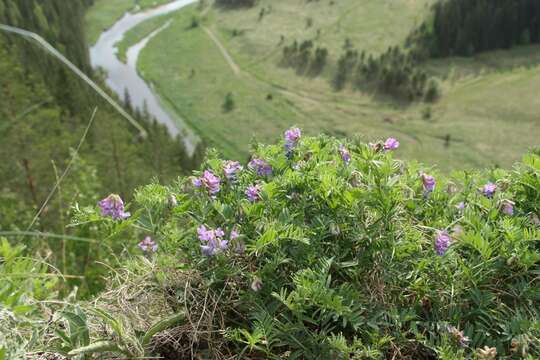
column 104, row 13
column 124, row 79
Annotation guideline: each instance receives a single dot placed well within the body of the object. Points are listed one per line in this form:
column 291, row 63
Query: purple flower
column 234, row 235
column 210, row 182
column 148, row 244
column 460, row 205
column 113, row 206
column 253, row 193
column 212, row 240
column 507, row 207
column 442, row 242
column 488, row 190
column 231, row 169
column 391, row 144
column 291, row 138
column 261, row 166
column 219, row 232
column 256, row 284
column 223, row 244
column 344, row 153
column 428, row 182
column 196, row 182
column 207, row 250
column 205, row 234
column 458, row 336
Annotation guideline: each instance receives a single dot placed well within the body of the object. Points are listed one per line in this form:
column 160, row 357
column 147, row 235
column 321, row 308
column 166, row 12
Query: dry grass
column 139, row 300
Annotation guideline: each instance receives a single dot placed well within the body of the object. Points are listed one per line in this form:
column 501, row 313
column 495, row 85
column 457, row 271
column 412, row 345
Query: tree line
column 394, row 72
column 466, row 27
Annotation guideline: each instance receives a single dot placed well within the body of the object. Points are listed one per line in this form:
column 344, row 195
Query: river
column 122, row 77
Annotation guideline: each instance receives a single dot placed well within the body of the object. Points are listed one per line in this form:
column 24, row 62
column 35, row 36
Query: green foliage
column 228, row 103
column 44, row 111
column 339, row 260
column 24, row 282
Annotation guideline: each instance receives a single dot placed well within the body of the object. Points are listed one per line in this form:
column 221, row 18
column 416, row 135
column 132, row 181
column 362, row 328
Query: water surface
column 122, row 76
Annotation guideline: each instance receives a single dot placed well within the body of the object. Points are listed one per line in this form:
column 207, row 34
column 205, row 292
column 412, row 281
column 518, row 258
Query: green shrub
column 322, row 249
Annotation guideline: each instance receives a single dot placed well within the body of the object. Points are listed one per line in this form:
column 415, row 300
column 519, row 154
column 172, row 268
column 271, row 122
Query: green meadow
column 487, row 115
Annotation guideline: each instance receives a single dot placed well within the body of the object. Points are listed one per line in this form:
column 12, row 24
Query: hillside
column 239, row 51
column 63, row 144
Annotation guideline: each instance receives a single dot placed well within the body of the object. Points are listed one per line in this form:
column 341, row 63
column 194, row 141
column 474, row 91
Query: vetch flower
column 291, row 138
column 212, row 240
column 113, row 206
column 391, row 144
column 442, row 242
column 256, row 284
column 208, row 250
column 460, row 205
column 428, row 183
column 253, row 193
column 231, row 169
column 458, row 336
column 344, row 153
column 219, row 232
column 507, row 207
column 210, row 182
column 261, row 167
column 196, row 182
column 488, row 190
column 148, row 244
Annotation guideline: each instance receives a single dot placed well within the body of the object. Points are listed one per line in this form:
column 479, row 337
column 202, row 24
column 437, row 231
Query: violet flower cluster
column 428, row 182
column 442, row 242
column 291, row 138
column 344, row 153
column 113, row 206
column 209, row 181
column 253, row 193
column 212, row 240
column 458, row 336
column 488, row 190
column 391, row 144
column 231, row 169
column 261, row 167
column 148, row 245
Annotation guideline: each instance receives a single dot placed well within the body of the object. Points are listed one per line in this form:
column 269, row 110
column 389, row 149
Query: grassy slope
column 104, row 13
column 489, row 105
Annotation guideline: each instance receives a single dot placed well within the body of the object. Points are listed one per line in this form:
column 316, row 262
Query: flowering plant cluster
column 327, row 249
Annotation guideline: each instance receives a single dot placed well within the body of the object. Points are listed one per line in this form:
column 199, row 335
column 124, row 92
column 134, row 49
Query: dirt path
column 223, row 50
